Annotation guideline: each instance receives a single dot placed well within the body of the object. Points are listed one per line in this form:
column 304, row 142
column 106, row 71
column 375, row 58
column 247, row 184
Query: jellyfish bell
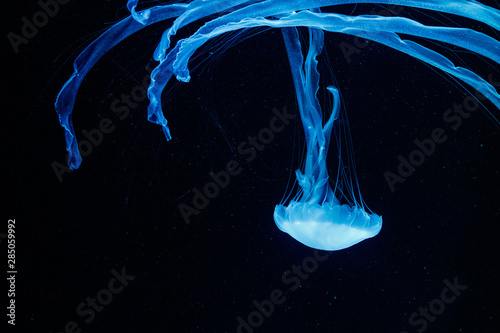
column 329, row 226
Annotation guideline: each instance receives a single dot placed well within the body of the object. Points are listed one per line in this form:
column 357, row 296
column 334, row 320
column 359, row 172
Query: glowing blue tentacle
column 477, row 42
column 370, row 27
column 314, row 179
column 437, row 60
column 484, row 45
column 463, row 37
column 196, row 10
column 142, row 16
column 469, row 9
column 159, row 79
column 88, row 58
column 306, row 86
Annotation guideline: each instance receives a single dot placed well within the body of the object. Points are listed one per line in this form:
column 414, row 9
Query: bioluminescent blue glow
column 315, row 216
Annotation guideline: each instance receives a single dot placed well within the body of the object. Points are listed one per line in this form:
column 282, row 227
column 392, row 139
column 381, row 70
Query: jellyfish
column 315, row 216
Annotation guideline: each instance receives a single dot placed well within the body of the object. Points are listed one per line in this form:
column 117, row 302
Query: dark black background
column 120, row 209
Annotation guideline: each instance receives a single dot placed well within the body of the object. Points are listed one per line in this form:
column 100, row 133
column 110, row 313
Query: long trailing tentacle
column 258, row 10
column 88, row 58
column 380, row 29
column 314, row 179
column 466, row 38
column 465, row 8
column 279, row 14
column 196, row 10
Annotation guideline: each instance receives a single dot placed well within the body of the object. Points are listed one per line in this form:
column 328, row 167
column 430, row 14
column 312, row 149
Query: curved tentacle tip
column 142, row 16
column 156, row 117
column 183, row 76
column 74, row 157
column 74, row 160
column 166, row 131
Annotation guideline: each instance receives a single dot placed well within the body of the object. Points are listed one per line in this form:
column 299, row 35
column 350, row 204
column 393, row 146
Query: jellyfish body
column 315, row 216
